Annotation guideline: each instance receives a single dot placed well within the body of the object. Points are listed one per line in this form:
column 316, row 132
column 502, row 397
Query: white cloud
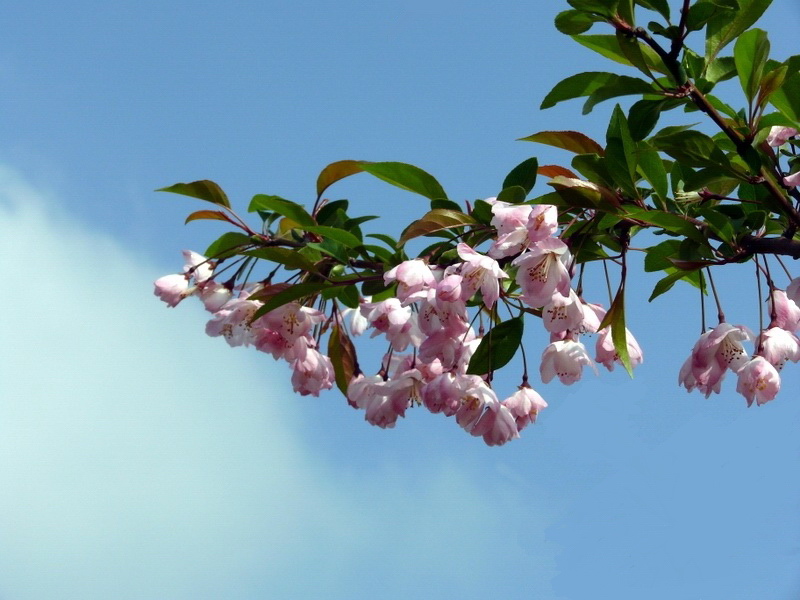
column 139, row 459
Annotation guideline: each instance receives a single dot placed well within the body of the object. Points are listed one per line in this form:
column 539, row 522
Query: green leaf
column 336, row 171
column 668, row 221
column 750, row 54
column 621, row 153
column 203, row 189
column 725, row 26
column 228, row 244
column 497, row 347
column 575, row 193
column 608, row 45
column 692, row 148
column 787, row 98
column 448, row 204
column 652, row 168
column 665, row 284
column 214, row 215
column 573, row 141
column 643, row 116
column 289, row 258
column 719, row 223
column 482, row 212
column 342, row 353
column 334, row 233
column 597, row 85
column 333, row 214
column 513, row 195
column 523, row 175
column 720, row 69
column 605, row 8
column 435, row 220
column 287, row 208
column 659, row 6
column 571, row 22
column 406, row 177
column 615, row 317
column 657, row 257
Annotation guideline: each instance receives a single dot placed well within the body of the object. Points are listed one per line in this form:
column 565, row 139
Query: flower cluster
column 427, row 324
column 721, row 350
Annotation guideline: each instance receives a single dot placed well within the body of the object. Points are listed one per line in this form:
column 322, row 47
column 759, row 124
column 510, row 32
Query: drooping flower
column 715, row 352
column 786, row 311
column 496, row 425
column 779, row 135
column 542, row 272
column 171, row 289
column 606, row 353
column 525, row 405
column 479, row 272
column 759, row 381
column 563, row 313
column 542, row 222
column 313, row 373
column 778, row 346
column 565, row 358
column 412, row 277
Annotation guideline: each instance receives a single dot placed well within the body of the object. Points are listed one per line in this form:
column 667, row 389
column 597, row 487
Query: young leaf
column 435, row 220
column 343, row 357
column 407, row 177
column 497, row 347
column 203, row 189
column 573, row 141
column 336, row 171
column 215, row 215
column 287, row 208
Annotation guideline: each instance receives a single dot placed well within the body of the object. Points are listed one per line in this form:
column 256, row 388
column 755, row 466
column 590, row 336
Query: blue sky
column 141, row 459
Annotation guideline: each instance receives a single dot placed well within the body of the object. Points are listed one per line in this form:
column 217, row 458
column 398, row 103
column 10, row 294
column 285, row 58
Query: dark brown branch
column 778, row 245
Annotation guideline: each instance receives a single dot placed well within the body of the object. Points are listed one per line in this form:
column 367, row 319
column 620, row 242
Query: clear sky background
column 140, row 459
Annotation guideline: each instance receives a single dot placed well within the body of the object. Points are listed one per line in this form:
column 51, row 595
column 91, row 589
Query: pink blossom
column 511, row 222
column 403, row 389
column 198, row 265
column 214, row 295
column 479, row 271
column 361, row 388
column 714, row 353
column 232, row 322
column 542, row 222
column 292, row 320
column 778, row 346
column 496, row 425
column 563, row 313
column 779, row 135
column 759, row 381
column 395, row 321
column 593, row 315
column 793, row 290
column 412, row 277
column 792, row 180
column 542, row 272
column 312, row 373
column 443, row 394
column 525, row 405
column 607, row 355
column 477, row 396
column 566, row 359
column 172, row 289
column 786, row 311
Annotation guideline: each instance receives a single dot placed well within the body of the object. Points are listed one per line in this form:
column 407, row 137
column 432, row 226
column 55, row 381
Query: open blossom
column 715, row 352
column 496, row 425
column 779, row 135
column 479, row 271
column 476, row 397
column 542, row 272
column 787, row 313
column 172, row 289
column 778, row 346
column 397, row 322
column 607, row 355
column 412, row 277
column 525, row 405
column 542, row 222
column 563, row 313
column 198, row 265
column 292, row 320
column 759, row 381
column 232, row 322
column 511, row 221
column 312, row 373
column 565, row 358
